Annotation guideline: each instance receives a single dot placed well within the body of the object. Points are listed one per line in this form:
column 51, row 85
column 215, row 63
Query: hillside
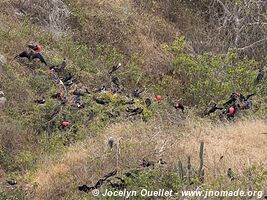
column 133, row 86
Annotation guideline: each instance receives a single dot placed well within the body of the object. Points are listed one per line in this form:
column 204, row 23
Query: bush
column 210, row 77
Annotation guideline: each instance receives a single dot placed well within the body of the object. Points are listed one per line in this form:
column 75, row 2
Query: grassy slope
column 87, row 161
column 103, row 33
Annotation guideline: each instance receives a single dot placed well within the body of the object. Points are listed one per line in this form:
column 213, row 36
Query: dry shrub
column 13, row 140
column 241, row 144
column 54, row 15
column 130, row 30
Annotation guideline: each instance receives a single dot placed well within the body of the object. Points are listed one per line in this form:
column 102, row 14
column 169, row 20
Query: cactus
column 201, row 162
column 189, row 167
column 188, row 172
column 180, row 170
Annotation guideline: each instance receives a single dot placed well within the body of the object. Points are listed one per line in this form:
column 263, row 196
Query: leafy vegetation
column 163, row 50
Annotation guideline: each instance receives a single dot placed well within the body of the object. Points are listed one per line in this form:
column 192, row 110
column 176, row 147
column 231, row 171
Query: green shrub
column 210, row 77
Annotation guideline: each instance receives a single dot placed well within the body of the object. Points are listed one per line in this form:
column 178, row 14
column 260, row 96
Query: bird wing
column 250, row 95
column 39, row 56
column 23, row 54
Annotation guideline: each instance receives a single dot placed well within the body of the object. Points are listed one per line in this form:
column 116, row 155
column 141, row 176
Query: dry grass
column 241, row 144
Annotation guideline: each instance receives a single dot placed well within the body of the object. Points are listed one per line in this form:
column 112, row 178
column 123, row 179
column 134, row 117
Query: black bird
column 31, row 55
column 135, row 111
column 77, row 99
column 100, row 101
column 148, row 102
column 233, row 98
column 68, row 83
column 118, row 185
column 103, row 88
column 24, row 54
column 68, row 80
column 137, row 93
column 230, row 174
column 162, row 162
column 147, row 163
column 115, row 80
column 110, row 142
column 80, row 106
column 98, row 184
column 11, row 182
column 130, row 102
column 261, row 75
column 40, row 101
column 130, row 174
column 85, row 188
column 115, row 68
column 59, row 68
column 179, row 106
column 213, row 109
column 68, row 77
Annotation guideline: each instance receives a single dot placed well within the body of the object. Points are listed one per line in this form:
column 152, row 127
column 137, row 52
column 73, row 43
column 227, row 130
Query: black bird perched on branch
column 100, row 101
column 115, row 68
column 213, row 109
column 40, row 101
column 59, row 68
